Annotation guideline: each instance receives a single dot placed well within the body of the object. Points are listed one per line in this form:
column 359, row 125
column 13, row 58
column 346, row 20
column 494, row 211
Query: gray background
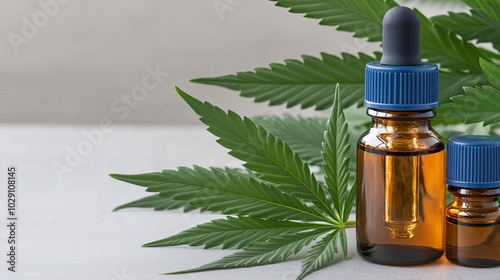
column 93, row 52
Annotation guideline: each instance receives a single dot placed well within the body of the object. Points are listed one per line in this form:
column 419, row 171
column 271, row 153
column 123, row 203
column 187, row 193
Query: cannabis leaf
column 275, row 212
column 489, row 7
column 234, row 232
column 157, row 203
column 306, row 83
column 304, row 135
column 321, row 253
column 451, row 84
column 364, row 18
column 225, row 191
column 491, row 72
column 275, row 249
column 336, row 149
column 446, row 48
column 476, row 25
column 262, row 152
column 479, row 104
column 276, row 205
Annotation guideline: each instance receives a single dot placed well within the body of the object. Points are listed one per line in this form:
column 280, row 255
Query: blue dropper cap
column 473, row 161
column 400, row 81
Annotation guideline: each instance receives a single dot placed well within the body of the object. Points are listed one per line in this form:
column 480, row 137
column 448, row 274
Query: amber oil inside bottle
column 401, row 189
column 473, row 227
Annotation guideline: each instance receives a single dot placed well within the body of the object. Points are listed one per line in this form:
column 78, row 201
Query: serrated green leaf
column 364, row 18
column 343, row 241
column 358, row 122
column 274, row 250
column 453, row 83
column 262, row 152
column 490, row 55
column 489, row 7
column 234, row 232
column 476, row 25
column 349, row 202
column 307, row 83
column 310, row 83
column 227, row 191
column 443, row 47
column 336, row 156
column 303, row 134
column 479, row 104
column 156, row 202
column 450, row 4
column 491, row 72
column 321, row 254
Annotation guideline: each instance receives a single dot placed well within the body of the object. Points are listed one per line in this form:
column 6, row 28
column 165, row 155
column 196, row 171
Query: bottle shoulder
column 381, row 138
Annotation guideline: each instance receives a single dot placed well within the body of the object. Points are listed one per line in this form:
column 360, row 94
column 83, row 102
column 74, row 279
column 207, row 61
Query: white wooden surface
column 67, row 229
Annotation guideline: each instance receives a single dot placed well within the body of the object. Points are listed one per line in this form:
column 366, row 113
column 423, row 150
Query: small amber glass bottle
column 400, row 204
column 400, row 159
column 473, row 218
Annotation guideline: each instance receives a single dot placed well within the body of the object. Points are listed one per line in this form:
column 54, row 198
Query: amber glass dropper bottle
column 401, row 161
column 473, row 218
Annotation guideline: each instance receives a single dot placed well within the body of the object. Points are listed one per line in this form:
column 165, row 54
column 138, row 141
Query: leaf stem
column 350, row 224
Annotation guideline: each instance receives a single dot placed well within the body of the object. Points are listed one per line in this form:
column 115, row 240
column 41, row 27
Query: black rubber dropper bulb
column 401, row 37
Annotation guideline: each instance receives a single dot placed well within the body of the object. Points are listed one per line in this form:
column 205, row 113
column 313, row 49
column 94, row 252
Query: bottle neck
column 401, row 122
column 400, row 115
column 469, row 198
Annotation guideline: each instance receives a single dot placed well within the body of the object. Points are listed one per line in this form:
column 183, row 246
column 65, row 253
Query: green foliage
column 336, row 149
column 491, row 72
column 275, row 211
column 452, row 84
column 225, row 191
column 310, row 83
column 262, row 151
column 476, row 25
column 307, row 83
column 234, row 232
column 321, row 253
column 479, row 104
column 276, row 206
column 304, row 135
column 157, row 203
column 275, row 249
column 489, row 7
column 363, row 18
column 445, row 47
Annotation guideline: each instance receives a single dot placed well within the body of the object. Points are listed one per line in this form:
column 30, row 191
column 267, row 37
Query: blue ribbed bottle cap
column 401, row 88
column 473, row 161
